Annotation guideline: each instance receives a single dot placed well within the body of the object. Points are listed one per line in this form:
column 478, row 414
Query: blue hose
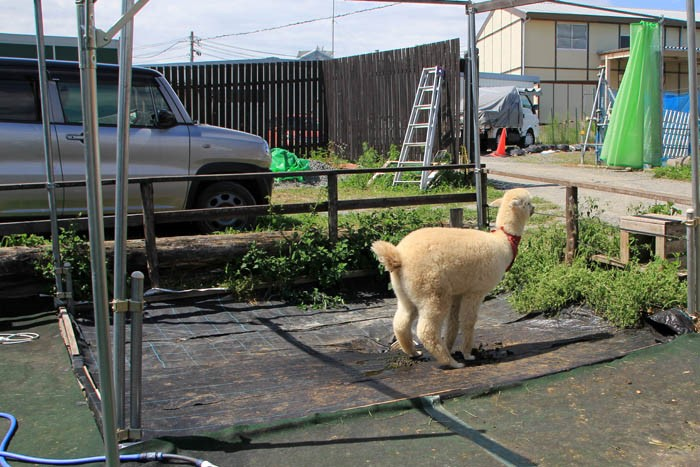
column 144, row 457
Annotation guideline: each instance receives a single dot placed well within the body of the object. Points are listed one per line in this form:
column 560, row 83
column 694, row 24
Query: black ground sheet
column 212, row 362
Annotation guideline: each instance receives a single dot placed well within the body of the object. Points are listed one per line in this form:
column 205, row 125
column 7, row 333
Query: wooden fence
column 304, row 105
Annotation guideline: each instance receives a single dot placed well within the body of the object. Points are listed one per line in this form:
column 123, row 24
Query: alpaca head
column 515, row 208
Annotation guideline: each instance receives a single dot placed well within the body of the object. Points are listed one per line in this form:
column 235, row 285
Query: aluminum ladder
column 600, row 116
column 417, row 148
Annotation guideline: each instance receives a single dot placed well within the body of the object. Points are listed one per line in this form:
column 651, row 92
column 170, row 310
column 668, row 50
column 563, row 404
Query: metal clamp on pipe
column 127, row 306
column 691, row 221
column 135, row 306
column 64, row 295
column 121, row 306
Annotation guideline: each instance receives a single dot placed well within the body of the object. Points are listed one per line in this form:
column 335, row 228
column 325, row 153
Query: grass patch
column 540, row 282
column 682, row 172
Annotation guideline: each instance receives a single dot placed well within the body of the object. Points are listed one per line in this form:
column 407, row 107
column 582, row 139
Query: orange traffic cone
column 501, row 149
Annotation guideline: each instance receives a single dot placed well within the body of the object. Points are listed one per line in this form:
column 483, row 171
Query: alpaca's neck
column 510, row 225
column 514, row 241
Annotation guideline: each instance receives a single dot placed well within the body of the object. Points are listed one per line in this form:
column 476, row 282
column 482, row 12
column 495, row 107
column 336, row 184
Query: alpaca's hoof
column 456, row 364
column 470, row 357
column 413, row 354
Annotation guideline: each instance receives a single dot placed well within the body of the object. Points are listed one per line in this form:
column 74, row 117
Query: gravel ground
column 611, row 205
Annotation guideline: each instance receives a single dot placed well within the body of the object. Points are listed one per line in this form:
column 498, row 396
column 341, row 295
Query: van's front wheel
column 220, row 195
column 527, row 140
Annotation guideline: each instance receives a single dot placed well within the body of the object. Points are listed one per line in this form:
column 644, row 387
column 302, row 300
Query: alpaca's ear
column 516, row 202
column 496, row 203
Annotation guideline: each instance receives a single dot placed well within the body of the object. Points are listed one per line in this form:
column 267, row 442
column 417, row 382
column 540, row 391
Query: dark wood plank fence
column 304, row 105
column 369, row 97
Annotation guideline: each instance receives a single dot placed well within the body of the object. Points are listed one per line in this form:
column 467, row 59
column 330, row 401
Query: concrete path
column 611, row 205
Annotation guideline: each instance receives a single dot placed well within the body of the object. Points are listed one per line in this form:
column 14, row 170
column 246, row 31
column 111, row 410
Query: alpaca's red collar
column 514, row 241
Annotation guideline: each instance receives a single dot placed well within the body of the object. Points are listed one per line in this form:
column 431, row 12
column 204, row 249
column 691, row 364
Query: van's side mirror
column 165, row 119
column 535, row 108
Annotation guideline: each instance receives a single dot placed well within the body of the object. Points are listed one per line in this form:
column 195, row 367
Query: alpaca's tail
column 387, row 254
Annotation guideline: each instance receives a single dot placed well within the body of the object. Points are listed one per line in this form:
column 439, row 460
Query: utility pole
column 193, row 51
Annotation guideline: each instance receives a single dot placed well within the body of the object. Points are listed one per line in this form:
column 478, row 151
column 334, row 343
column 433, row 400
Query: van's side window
column 146, row 99
column 18, row 101
column 70, row 101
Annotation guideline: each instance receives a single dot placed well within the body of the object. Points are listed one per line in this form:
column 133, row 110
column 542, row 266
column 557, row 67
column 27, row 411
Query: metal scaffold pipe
column 693, row 272
column 48, row 150
column 121, row 204
column 88, row 91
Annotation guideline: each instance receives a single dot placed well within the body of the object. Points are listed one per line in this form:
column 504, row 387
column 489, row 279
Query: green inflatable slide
column 633, row 137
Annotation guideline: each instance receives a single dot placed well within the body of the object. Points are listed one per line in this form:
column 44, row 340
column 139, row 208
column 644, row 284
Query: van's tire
column 225, row 194
column 527, row 140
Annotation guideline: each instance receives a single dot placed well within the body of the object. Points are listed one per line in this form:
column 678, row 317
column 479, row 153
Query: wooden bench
column 665, row 234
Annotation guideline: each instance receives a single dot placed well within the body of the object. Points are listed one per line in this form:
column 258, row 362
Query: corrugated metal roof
column 602, row 11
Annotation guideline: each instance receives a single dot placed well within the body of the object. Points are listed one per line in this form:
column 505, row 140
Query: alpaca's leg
column 451, row 326
column 403, row 321
column 430, row 324
column 468, row 312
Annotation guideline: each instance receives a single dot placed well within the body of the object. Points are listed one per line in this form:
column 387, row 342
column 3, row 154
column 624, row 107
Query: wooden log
column 177, row 256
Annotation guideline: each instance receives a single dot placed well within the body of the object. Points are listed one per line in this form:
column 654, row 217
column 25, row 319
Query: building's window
column 18, row 101
column 572, row 36
column 624, row 42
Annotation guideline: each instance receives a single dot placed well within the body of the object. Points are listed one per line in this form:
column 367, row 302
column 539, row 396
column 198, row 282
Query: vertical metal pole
column 88, row 90
column 136, row 308
column 48, row 150
column 121, row 205
column 474, row 81
column 466, row 107
column 694, row 274
column 690, row 259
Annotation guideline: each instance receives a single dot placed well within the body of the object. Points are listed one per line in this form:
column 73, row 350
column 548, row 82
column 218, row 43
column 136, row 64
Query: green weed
column 682, row 172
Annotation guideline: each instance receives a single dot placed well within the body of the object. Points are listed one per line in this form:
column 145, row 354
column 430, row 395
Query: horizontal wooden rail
column 686, row 200
column 332, row 206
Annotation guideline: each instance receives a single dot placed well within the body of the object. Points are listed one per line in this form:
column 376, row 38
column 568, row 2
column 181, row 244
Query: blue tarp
column 677, row 101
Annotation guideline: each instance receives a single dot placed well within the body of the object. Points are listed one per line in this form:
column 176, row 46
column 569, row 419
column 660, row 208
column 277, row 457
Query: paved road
column 611, row 205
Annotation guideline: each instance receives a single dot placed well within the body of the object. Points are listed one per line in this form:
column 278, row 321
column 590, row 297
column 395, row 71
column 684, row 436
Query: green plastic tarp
column 286, row 161
column 633, row 137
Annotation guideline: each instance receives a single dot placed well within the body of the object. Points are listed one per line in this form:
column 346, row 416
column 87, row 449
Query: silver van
column 164, row 141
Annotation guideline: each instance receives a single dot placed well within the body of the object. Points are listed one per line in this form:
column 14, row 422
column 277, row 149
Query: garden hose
column 143, row 457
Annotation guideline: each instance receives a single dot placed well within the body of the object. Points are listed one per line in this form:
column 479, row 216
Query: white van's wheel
column 528, row 139
column 220, row 195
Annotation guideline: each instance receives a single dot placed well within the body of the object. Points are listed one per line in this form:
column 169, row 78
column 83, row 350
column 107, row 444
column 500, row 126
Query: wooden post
column 333, row 207
column 149, row 233
column 571, row 223
column 457, row 217
column 483, row 208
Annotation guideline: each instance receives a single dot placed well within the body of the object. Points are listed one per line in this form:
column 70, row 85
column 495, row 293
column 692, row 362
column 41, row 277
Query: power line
column 155, row 54
column 234, row 48
column 273, row 28
column 298, row 23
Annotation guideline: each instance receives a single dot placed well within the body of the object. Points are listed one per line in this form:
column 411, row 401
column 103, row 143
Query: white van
column 511, row 108
column 163, row 141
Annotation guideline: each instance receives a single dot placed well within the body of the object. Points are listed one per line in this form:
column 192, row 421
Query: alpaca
column 441, row 276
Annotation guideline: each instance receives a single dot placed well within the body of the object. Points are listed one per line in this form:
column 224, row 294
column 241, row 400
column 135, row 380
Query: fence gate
column 676, row 135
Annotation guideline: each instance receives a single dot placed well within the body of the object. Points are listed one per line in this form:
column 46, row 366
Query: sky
column 240, row 30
